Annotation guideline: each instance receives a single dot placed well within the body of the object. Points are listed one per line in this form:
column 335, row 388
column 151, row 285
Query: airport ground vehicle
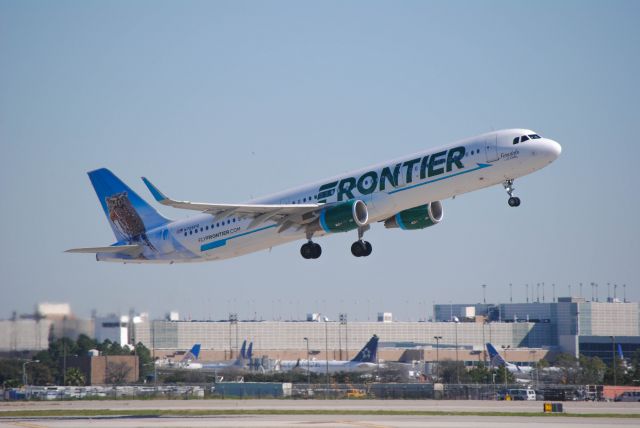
column 633, row 396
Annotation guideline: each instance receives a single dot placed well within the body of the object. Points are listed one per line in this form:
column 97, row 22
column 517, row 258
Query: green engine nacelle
column 344, row 217
column 417, row 217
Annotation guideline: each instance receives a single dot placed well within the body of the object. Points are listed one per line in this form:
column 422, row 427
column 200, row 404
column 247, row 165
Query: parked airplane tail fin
column 192, row 355
column 250, row 351
column 494, row 357
column 243, row 350
column 128, row 214
column 620, row 354
column 369, row 352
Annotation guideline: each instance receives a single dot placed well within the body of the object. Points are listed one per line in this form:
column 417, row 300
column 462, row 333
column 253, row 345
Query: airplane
column 404, row 193
column 188, row 358
column 624, row 363
column 192, row 355
column 364, row 361
column 497, row 361
column 239, row 364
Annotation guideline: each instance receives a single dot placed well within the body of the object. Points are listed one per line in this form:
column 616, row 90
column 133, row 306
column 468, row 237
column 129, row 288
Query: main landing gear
column 513, row 201
column 361, row 248
column 311, row 250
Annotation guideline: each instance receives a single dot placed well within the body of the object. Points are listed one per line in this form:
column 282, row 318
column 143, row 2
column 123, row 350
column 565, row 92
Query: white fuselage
column 322, row 366
column 421, row 178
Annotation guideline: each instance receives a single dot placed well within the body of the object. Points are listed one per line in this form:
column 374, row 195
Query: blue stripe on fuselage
column 223, row 242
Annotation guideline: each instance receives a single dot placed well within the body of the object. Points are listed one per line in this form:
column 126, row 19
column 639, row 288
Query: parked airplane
column 403, row 193
column 192, row 355
column 240, row 363
column 190, row 361
column 497, row 361
column 364, row 361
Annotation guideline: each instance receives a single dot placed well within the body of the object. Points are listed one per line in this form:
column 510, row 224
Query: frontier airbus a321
column 403, row 193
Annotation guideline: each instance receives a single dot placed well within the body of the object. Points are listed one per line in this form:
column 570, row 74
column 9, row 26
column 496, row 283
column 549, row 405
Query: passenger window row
column 304, row 200
column 213, row 225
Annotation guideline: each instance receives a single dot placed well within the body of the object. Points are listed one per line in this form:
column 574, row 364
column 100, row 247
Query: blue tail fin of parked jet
column 620, row 354
column 494, row 357
column 368, row 353
column 243, row 350
column 250, row 351
column 192, row 355
column 128, row 214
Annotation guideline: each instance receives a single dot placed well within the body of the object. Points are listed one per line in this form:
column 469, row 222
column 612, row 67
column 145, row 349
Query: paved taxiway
column 319, row 421
column 368, row 421
column 360, row 405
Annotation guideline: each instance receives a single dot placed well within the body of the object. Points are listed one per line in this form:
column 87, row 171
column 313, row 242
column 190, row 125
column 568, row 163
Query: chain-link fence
column 378, row 390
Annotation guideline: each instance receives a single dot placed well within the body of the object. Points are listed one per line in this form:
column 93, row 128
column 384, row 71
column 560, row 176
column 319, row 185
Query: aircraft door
column 491, row 148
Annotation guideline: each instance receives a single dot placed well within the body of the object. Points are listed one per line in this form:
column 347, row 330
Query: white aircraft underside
column 404, row 193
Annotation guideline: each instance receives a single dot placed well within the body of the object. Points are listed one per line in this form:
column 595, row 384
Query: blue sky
column 223, row 101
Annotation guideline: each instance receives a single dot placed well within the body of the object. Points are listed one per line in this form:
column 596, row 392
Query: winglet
column 157, row 194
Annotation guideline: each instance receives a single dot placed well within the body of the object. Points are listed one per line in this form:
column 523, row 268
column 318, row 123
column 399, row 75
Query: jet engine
column 417, row 217
column 343, row 217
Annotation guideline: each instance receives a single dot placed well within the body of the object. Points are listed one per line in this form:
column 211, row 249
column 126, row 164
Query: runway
column 570, row 407
column 325, row 421
column 316, row 420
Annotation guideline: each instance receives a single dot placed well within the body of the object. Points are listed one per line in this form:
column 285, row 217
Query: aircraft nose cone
column 554, row 149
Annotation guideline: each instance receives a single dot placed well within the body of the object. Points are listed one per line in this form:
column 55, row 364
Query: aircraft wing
column 287, row 214
column 130, row 250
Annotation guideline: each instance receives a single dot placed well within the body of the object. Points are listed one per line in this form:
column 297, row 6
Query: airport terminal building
column 571, row 325
column 526, row 331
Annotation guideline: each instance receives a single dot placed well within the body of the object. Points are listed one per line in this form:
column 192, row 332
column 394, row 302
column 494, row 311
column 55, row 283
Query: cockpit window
column 523, row 138
column 534, row 136
column 516, row 140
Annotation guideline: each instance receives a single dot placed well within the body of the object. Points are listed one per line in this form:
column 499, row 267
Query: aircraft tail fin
column 243, row 350
column 128, row 214
column 369, row 352
column 250, row 351
column 192, row 355
column 494, row 357
column 620, row 354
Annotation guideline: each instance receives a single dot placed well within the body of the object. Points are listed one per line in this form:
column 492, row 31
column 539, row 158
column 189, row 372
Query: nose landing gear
column 513, row 201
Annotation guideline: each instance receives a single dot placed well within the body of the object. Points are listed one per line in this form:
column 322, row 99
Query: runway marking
column 363, row 424
column 27, row 425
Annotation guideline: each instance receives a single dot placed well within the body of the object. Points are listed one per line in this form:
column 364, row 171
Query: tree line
column 50, row 370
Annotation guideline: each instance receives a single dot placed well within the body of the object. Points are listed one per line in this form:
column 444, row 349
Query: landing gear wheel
column 361, row 248
column 357, row 249
column 317, row 250
column 368, row 248
column 306, row 251
column 513, row 201
column 310, row 250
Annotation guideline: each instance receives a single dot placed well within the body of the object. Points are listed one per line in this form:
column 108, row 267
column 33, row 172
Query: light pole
column 306, row 339
column 504, row 367
column 326, row 349
column 437, row 338
column 455, row 320
column 531, row 358
column 484, row 345
column 24, row 371
column 343, row 322
column 233, row 320
column 484, row 293
column 613, row 355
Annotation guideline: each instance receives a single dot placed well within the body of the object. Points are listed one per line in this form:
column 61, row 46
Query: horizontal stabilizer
column 129, row 250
